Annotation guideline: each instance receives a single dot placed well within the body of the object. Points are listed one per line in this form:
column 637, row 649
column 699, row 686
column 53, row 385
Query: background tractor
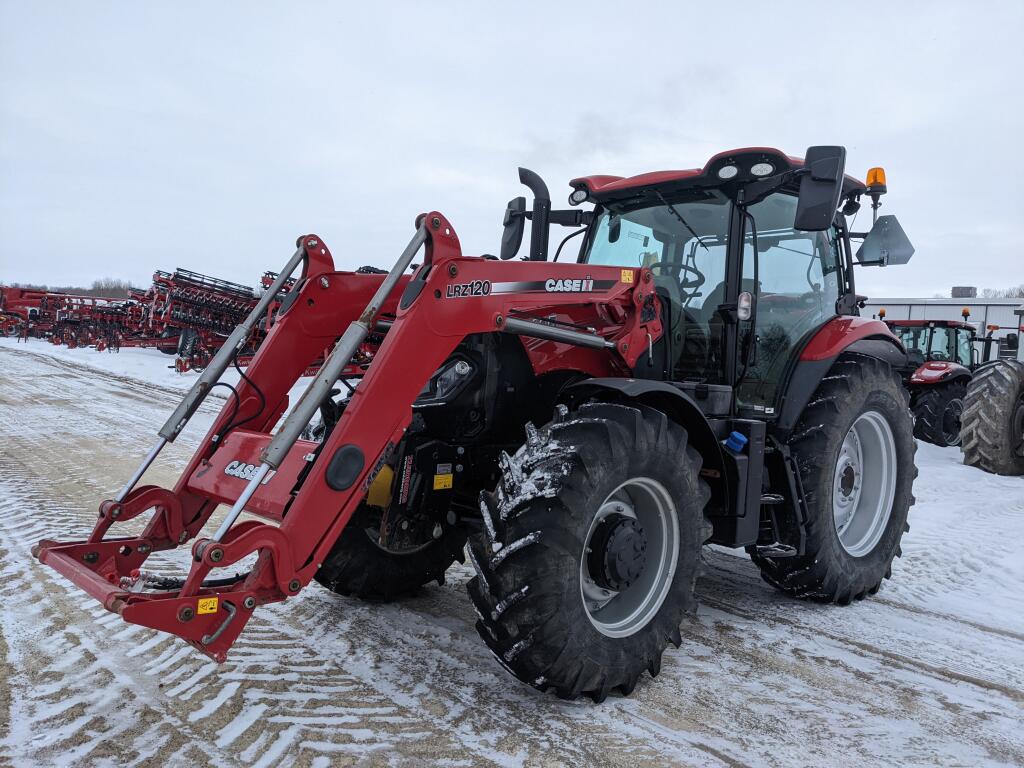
column 941, row 359
column 699, row 374
column 993, row 417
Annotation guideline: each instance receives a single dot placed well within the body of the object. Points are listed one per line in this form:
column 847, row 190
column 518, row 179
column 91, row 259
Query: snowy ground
column 929, row 672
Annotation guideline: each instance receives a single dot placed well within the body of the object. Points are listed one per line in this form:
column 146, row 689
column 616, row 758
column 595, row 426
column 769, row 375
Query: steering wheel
column 679, row 271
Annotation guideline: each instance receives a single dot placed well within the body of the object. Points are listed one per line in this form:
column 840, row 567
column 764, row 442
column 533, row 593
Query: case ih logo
column 245, row 471
column 569, row 286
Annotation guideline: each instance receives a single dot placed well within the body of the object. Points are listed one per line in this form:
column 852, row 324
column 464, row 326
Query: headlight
column 727, row 171
column 445, row 385
column 762, row 169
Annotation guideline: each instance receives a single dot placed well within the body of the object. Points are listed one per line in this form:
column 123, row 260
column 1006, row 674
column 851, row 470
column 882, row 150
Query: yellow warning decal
column 207, row 605
column 627, row 275
column 442, row 482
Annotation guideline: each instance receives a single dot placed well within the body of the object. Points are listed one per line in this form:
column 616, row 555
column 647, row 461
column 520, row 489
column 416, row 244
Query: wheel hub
column 951, row 421
column 618, row 552
column 629, row 557
column 847, row 480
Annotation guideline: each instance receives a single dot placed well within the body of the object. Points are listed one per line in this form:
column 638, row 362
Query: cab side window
column 798, row 280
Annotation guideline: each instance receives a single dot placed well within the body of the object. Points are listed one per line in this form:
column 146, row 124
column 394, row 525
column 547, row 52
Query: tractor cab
column 941, row 359
column 749, row 255
column 944, row 341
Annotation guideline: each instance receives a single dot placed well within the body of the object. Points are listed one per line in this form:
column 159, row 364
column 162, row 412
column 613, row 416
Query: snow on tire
column 590, row 549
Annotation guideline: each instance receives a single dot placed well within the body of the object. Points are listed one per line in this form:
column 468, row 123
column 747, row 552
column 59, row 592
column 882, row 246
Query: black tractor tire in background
column 358, row 566
column 993, row 420
column 170, row 339
column 530, row 559
column 937, row 413
column 187, row 342
column 856, row 386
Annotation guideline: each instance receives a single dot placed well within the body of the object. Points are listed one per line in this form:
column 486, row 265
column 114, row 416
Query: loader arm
column 309, row 493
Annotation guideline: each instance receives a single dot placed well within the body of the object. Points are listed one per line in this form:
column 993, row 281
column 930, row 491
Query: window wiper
column 679, row 216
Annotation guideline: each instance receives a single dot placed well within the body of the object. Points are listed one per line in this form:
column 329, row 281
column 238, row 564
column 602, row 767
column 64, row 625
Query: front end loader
column 698, row 374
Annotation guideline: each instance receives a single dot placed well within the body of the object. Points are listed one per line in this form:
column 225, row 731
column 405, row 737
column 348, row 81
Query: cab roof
column 602, row 188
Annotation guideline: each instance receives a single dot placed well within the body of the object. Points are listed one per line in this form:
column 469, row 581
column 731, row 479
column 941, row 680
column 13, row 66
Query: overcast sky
column 137, row 136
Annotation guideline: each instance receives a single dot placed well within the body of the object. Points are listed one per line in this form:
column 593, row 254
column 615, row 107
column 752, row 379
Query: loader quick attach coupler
column 208, row 614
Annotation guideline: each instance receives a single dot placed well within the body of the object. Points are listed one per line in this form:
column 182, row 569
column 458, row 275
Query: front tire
column 588, row 561
column 358, row 566
column 937, row 413
column 854, row 447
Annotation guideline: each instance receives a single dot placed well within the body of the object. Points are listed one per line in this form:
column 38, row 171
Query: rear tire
column 360, row 567
column 993, row 420
column 855, row 431
column 546, row 608
column 937, row 413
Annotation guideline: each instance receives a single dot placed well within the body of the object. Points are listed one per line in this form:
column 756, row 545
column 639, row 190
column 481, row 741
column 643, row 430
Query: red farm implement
column 183, row 313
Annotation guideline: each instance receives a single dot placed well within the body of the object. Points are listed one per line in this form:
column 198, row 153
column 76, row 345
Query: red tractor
column 699, row 374
column 941, row 358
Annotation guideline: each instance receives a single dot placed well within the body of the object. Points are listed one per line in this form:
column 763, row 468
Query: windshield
column 681, row 239
column 935, row 343
column 684, row 241
column 914, row 339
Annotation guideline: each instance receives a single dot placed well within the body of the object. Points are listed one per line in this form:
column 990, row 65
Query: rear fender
column 839, row 336
column 679, row 407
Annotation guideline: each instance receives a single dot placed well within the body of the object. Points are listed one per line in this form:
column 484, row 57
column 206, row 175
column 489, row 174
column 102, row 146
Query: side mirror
column 885, row 244
column 820, row 188
column 515, row 225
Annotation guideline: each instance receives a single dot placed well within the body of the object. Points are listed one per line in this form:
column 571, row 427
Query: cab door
column 796, row 279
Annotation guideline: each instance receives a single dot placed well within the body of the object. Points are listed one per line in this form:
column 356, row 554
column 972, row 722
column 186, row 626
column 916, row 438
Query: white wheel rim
column 621, row 614
column 864, row 484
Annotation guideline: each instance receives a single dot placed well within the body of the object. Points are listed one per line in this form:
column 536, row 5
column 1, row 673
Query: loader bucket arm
column 311, row 491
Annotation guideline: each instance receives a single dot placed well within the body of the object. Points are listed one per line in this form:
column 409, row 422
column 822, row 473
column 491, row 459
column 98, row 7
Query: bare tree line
column 1015, row 292
column 109, row 287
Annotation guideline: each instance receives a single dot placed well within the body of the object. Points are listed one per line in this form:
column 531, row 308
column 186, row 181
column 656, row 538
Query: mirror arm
column 571, row 218
column 756, row 191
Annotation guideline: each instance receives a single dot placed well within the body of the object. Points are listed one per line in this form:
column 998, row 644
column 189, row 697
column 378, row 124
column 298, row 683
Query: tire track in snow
column 87, row 681
column 276, row 701
column 485, row 733
column 738, row 590
column 759, row 679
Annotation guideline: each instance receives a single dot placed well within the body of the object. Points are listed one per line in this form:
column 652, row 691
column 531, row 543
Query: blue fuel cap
column 736, row 442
